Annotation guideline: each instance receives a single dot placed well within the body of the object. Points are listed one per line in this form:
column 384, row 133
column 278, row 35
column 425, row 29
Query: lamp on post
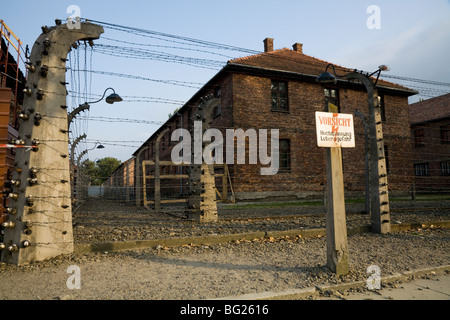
column 98, row 145
column 326, row 77
column 113, row 97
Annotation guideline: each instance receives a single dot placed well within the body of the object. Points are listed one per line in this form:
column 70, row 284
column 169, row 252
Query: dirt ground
column 220, row 270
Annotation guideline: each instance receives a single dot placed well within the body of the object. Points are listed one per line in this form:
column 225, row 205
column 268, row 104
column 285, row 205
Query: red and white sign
column 335, row 130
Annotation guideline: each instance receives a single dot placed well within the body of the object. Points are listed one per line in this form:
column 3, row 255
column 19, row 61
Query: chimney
column 298, row 47
column 268, row 44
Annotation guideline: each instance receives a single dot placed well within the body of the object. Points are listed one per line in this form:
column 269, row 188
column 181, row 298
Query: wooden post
column 157, row 172
column 138, row 177
column 336, row 229
column 232, row 197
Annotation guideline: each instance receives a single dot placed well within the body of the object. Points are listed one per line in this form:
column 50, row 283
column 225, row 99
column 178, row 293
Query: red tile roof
column 430, row 109
column 292, row 61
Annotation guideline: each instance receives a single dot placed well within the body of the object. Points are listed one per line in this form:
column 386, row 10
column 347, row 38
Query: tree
column 174, row 112
column 100, row 171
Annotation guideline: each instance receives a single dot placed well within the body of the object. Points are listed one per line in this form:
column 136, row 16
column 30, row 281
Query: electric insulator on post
column 30, row 201
column 33, row 172
column 23, row 116
column 30, row 67
column 15, row 183
column 11, row 210
column 26, row 243
column 37, row 119
column 9, row 224
column 13, row 248
column 13, row 196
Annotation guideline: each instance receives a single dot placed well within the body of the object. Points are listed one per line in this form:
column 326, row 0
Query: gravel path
column 101, row 220
column 220, row 270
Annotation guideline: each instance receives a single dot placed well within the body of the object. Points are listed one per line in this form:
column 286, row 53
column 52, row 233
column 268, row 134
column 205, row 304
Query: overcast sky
column 413, row 37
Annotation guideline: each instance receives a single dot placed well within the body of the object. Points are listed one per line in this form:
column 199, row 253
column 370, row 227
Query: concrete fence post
column 41, row 225
column 379, row 200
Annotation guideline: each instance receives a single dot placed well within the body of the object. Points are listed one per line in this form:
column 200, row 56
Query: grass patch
column 311, row 203
column 273, row 205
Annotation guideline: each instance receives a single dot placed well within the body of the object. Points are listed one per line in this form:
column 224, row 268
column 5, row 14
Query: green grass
column 273, row 205
column 430, row 197
column 278, row 204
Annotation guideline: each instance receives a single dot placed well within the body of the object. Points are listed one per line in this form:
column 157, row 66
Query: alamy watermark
column 373, row 282
column 212, row 153
column 74, row 280
column 74, row 18
column 374, row 20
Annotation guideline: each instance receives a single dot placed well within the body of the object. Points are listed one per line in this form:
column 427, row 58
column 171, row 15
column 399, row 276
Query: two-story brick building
column 277, row 89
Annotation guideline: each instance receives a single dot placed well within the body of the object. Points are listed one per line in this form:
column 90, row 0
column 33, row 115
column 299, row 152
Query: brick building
column 430, row 129
column 277, row 89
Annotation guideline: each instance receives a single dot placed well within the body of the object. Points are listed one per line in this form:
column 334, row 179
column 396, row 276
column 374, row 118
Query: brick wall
column 433, row 152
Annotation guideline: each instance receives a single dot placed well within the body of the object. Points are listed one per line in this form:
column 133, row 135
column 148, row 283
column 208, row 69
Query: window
column 419, row 136
column 332, row 96
column 217, row 92
column 216, row 111
column 279, row 96
column 445, row 134
column 445, row 168
column 421, row 169
column 285, row 154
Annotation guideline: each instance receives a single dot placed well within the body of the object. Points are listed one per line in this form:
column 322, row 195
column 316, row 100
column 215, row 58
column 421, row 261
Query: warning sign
column 335, row 130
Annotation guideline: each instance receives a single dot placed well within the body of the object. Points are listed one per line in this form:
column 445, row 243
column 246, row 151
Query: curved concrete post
column 43, row 219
